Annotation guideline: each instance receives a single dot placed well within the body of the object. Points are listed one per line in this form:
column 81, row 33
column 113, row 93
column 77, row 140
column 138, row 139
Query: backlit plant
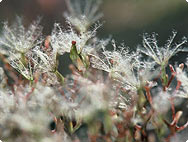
column 112, row 95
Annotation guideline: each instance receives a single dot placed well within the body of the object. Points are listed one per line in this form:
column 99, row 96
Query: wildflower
column 26, row 68
column 121, row 66
column 160, row 55
column 18, row 40
column 83, row 14
column 114, row 99
column 62, row 40
column 48, row 63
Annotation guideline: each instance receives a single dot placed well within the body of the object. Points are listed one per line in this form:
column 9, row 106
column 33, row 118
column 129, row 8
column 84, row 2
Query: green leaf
column 80, row 60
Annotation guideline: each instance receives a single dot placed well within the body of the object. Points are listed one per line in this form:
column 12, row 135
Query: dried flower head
column 83, row 13
column 18, row 39
column 61, row 40
column 123, row 66
column 160, row 55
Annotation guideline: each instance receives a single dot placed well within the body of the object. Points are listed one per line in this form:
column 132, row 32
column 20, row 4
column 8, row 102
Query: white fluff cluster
column 183, row 78
column 123, row 66
column 160, row 55
column 83, row 13
column 19, row 40
column 115, row 82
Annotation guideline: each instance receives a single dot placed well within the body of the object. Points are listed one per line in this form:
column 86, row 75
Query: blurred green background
column 124, row 20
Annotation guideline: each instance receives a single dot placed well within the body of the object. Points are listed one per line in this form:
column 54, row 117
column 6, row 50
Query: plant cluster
column 113, row 94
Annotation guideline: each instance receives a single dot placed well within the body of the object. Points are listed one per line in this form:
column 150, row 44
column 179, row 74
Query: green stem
column 163, row 76
column 141, row 99
column 30, row 83
column 59, row 77
column 23, row 59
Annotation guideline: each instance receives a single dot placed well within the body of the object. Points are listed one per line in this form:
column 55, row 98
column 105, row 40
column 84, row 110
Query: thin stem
column 172, row 107
column 59, row 77
column 164, row 77
column 148, row 94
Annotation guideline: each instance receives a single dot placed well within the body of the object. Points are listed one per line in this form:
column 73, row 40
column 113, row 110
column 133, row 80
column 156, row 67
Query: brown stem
column 148, row 94
column 172, row 107
column 172, row 76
